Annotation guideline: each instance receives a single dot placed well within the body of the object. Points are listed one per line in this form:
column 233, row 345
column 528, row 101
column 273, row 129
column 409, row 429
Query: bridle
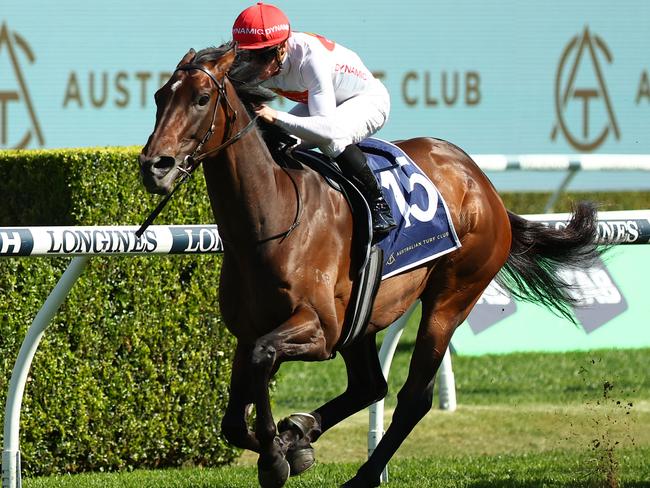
column 193, row 160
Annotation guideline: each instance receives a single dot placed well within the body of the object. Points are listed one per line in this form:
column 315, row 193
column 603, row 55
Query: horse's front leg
column 366, row 385
column 233, row 425
column 300, row 337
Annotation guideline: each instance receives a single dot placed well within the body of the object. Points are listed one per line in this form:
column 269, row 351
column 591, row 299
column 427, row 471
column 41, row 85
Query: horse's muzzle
column 158, row 173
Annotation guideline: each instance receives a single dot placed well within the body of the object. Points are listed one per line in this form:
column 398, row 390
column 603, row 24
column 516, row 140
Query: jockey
column 340, row 102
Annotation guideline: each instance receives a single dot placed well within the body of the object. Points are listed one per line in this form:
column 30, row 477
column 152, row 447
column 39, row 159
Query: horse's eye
column 203, row 100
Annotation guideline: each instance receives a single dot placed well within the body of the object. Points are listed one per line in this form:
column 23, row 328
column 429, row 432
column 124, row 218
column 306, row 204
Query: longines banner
column 492, row 76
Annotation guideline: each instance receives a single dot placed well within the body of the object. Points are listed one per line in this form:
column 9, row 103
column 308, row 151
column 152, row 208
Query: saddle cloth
column 424, row 228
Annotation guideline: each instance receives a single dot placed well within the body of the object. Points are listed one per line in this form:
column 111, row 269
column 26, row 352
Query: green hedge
column 133, row 372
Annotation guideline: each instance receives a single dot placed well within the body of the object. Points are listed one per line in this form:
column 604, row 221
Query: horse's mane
column 248, row 88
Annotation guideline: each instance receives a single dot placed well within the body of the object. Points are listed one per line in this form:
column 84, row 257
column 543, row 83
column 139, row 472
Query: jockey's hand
column 266, row 113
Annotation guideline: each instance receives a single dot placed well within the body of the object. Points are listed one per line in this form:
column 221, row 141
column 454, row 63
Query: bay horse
column 289, row 264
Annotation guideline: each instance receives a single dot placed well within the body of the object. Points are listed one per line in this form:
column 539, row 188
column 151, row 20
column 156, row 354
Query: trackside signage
column 611, row 311
column 610, row 308
column 504, row 78
column 80, row 241
column 615, row 231
column 597, row 295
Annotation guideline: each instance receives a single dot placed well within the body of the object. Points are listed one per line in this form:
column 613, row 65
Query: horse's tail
column 538, row 252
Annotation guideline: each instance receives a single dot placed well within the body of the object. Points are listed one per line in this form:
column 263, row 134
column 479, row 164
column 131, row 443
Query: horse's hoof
column 360, row 481
column 355, row 483
column 274, row 477
column 302, row 423
column 300, row 459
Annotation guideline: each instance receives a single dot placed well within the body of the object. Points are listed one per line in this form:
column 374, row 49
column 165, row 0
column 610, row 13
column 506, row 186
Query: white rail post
column 447, row 384
column 555, row 196
column 376, row 410
column 11, row 451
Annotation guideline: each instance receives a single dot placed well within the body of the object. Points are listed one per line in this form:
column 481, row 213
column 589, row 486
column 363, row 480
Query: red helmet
column 260, row 26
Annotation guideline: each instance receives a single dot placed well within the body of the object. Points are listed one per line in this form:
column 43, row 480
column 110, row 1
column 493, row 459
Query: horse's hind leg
column 441, row 314
column 366, row 385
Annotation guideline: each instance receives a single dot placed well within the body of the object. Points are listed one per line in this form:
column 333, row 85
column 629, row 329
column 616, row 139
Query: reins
column 296, row 219
column 192, row 161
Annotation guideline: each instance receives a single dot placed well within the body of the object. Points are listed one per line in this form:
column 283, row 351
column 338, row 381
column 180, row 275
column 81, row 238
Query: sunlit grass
column 549, row 469
column 524, row 420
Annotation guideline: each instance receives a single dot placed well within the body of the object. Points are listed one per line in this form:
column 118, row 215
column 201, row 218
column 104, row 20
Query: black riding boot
column 354, row 165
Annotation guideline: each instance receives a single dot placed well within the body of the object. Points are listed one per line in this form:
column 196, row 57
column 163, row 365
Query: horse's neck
column 243, row 186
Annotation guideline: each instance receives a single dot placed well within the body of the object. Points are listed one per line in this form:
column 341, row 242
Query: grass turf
column 548, row 469
column 524, row 420
column 533, row 420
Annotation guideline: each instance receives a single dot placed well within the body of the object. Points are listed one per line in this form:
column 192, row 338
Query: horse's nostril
column 164, row 163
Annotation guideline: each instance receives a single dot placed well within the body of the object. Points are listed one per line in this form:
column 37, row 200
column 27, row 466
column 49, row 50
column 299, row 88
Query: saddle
column 370, row 256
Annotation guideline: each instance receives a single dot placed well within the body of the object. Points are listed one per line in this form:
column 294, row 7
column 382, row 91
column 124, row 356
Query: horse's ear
column 187, row 58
